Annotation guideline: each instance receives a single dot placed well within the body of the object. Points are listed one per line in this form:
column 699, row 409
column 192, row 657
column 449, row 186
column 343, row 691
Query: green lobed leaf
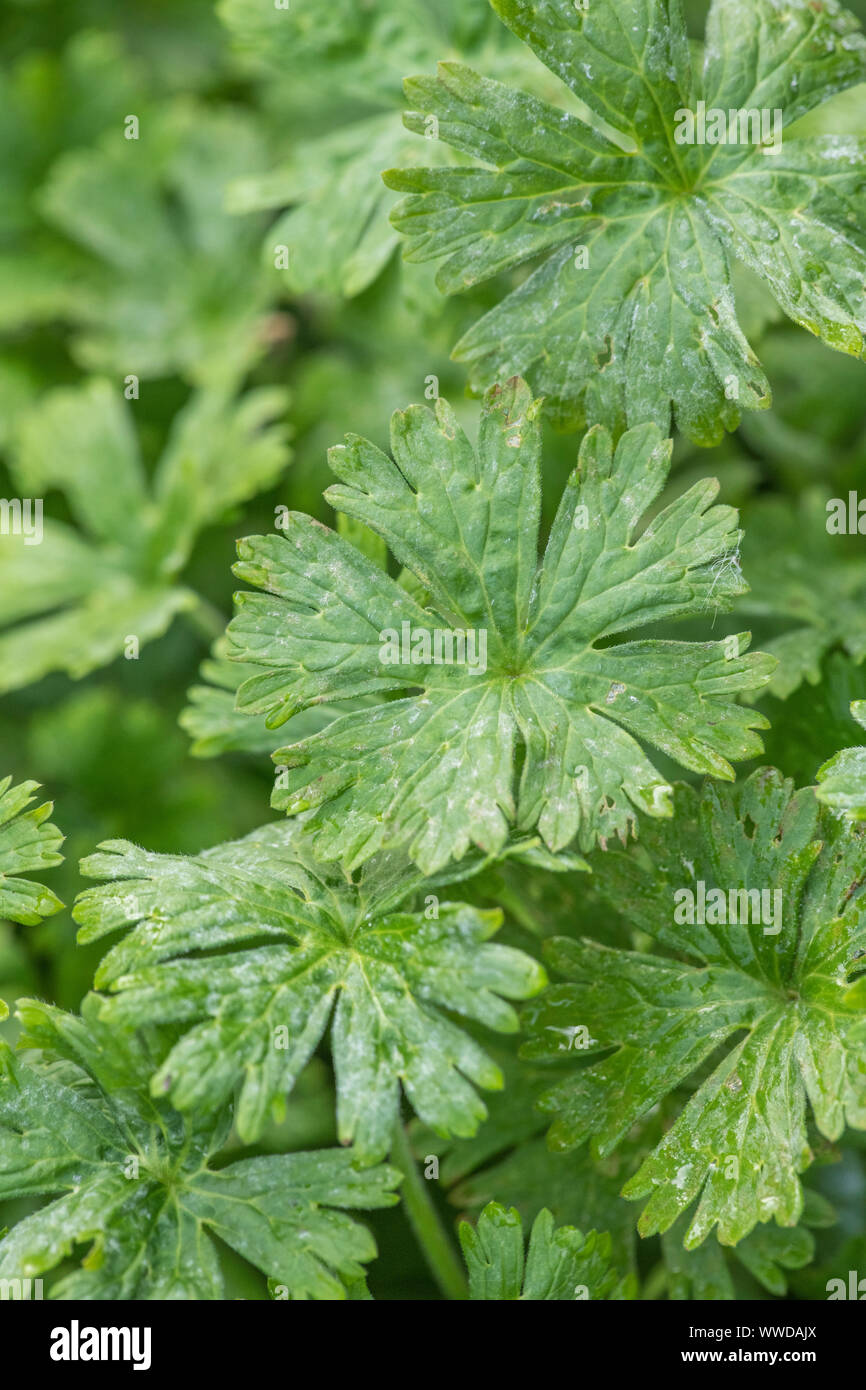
column 72, row 595
column 133, row 1181
column 173, row 283
column 767, row 992
column 436, row 770
column 558, row 1264
column 812, row 725
column 801, row 573
column 842, row 780
column 508, row 1161
column 28, row 841
column 338, row 79
column 217, row 727
column 254, row 948
column 768, row 1254
column 628, row 232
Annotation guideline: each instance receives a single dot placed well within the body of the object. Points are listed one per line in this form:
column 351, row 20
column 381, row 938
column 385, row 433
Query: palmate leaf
column 70, row 601
column 173, row 282
column 360, row 53
column 784, row 979
column 253, row 946
column 842, row 780
column 328, row 251
column 132, row 1179
column 28, row 842
column 437, row 770
column 558, row 1264
column 508, row 1161
column 341, row 79
column 808, row 579
column 644, row 319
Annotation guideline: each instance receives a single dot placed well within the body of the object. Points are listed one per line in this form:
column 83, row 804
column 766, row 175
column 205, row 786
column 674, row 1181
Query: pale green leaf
column 71, row 599
column 216, row 726
column 255, row 948
column 842, row 780
column 340, row 77
column 174, row 282
column 28, row 841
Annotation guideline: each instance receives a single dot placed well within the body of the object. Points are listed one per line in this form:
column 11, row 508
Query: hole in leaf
column 604, row 358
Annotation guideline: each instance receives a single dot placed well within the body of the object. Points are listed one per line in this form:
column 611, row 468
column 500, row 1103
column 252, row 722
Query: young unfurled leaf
column 842, row 780
column 512, row 657
column 72, row 596
column 799, row 573
column 28, row 841
column 630, row 227
column 558, row 1264
column 131, row 1179
column 756, row 895
column 508, row 1161
column 253, row 946
column 175, row 284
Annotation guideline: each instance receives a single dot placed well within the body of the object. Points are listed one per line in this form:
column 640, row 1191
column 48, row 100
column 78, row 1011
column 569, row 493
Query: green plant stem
column 523, row 915
column 656, row 1282
column 431, row 1235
